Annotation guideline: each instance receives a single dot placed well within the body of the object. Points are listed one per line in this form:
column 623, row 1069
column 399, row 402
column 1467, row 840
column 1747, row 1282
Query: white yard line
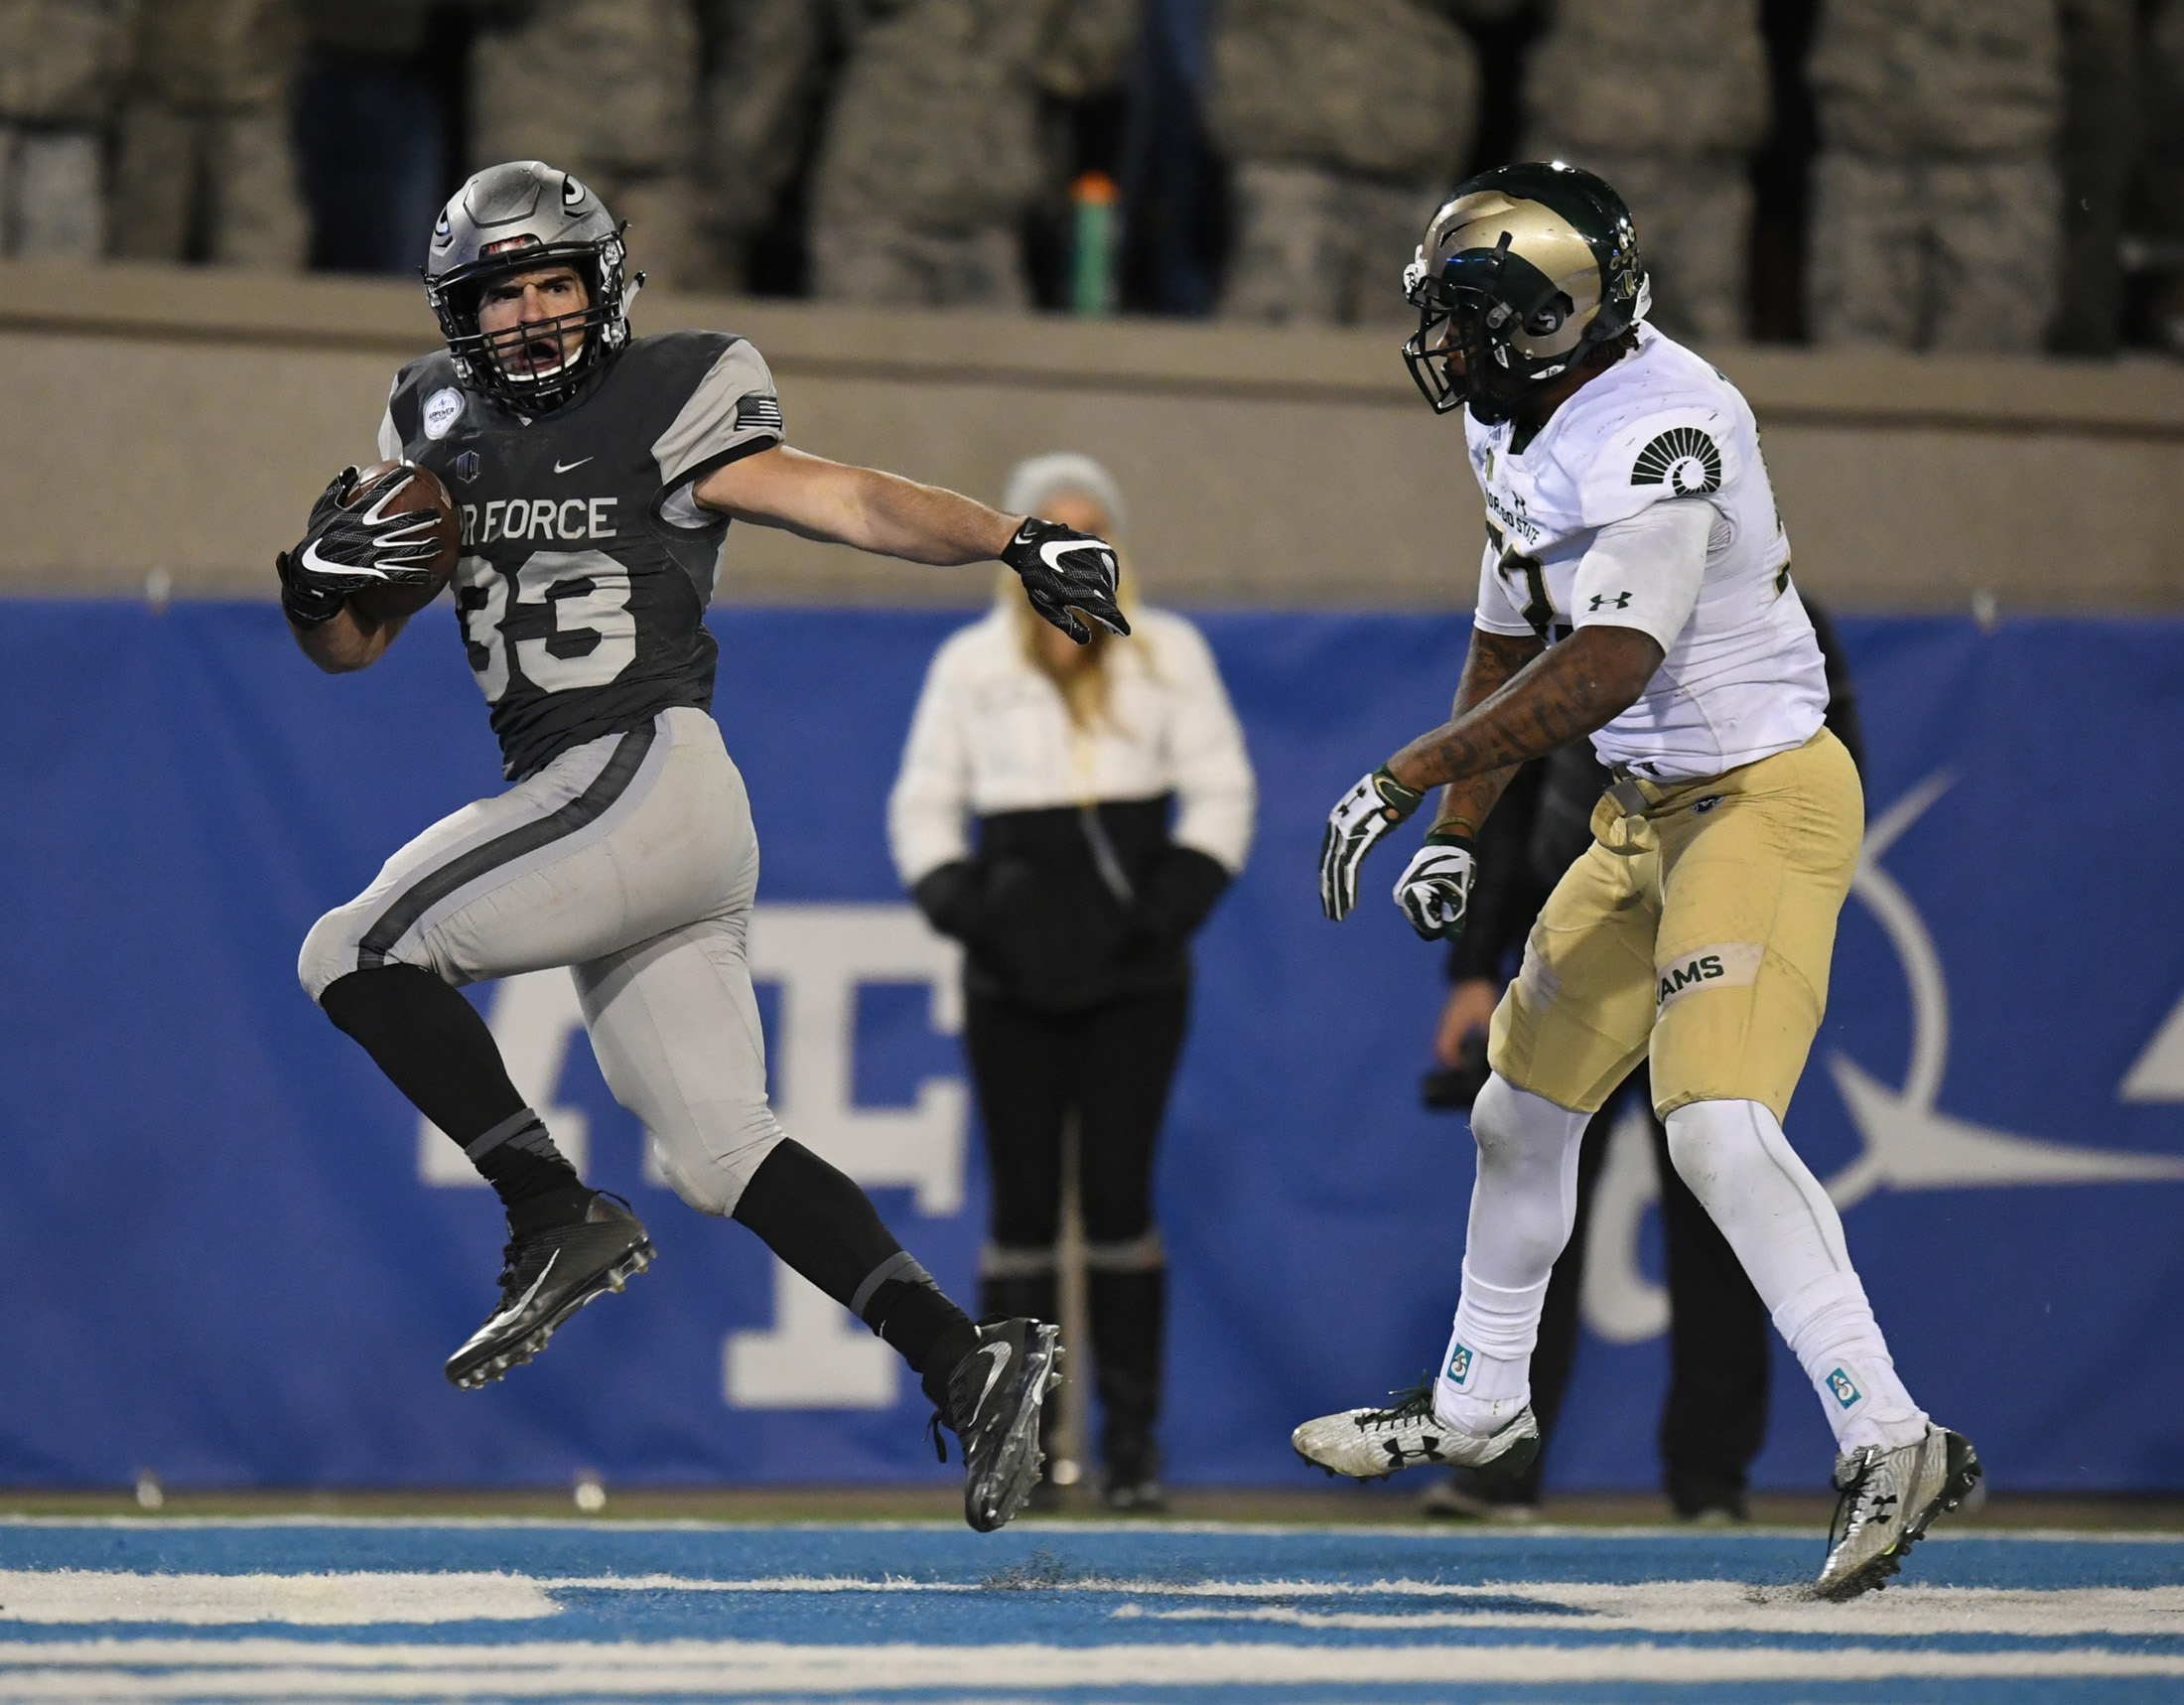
column 163, row 1670
column 328, row 1600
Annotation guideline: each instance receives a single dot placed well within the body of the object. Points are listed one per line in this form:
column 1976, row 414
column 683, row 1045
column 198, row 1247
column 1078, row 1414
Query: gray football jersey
column 586, row 566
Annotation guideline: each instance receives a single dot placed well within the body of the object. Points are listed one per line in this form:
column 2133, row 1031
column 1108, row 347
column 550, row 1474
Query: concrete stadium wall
column 180, row 421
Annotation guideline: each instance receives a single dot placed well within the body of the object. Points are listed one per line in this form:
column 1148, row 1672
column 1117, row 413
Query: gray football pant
column 631, row 860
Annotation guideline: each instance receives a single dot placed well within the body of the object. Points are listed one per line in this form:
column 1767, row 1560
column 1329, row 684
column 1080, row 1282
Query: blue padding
column 224, row 1263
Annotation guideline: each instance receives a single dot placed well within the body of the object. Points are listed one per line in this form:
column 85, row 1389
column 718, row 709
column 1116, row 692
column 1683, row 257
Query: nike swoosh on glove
column 1065, row 571
column 351, row 542
column 1434, row 889
column 1361, row 818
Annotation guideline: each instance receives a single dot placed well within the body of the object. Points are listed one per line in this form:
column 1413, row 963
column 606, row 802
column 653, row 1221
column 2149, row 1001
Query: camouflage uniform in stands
column 606, row 90
column 1345, row 122
column 203, row 169
column 1935, row 204
column 1666, row 99
column 760, row 104
column 61, row 63
column 931, row 158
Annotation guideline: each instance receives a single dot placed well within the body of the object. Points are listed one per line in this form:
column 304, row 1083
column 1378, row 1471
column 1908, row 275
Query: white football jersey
column 1744, row 680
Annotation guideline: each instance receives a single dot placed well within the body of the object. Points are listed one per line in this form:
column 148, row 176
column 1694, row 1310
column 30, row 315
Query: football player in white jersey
column 1635, row 587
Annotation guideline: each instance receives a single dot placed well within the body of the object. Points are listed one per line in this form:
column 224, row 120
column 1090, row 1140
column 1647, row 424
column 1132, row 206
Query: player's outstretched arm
column 1063, row 571
column 861, row 506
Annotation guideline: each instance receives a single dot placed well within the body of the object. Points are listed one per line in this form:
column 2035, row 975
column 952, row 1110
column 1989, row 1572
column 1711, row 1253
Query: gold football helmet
column 1524, row 271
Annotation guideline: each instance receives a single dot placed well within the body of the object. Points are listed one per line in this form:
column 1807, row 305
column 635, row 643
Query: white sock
column 1522, row 1208
column 1789, row 1237
column 1830, row 1327
column 1485, row 1374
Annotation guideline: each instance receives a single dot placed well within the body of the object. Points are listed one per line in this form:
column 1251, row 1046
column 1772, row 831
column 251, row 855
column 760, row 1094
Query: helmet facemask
column 1523, row 274
column 1489, row 323
column 527, row 217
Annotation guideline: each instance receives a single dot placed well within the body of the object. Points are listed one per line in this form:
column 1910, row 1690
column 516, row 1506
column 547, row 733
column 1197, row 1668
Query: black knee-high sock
column 817, row 1220
column 437, row 1052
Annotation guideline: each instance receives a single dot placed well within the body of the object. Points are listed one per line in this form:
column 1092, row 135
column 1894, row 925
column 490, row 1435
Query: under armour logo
column 1601, row 601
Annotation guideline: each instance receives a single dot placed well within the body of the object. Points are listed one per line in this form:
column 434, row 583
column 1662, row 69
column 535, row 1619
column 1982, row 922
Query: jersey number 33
column 560, row 621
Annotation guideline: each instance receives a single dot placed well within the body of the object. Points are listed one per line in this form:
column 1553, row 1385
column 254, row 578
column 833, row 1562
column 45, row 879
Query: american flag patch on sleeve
column 759, row 409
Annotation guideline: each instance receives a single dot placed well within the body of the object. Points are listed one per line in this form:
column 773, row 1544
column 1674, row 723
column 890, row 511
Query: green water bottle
column 1092, row 285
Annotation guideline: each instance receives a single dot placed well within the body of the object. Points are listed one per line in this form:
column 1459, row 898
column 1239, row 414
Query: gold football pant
column 1700, row 925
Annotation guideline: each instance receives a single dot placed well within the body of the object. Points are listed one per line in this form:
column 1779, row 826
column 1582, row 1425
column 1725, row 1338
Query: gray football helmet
column 518, row 218
column 1523, row 272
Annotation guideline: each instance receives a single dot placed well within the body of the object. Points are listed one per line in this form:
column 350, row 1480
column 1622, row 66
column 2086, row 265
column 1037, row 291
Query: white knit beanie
column 1037, row 482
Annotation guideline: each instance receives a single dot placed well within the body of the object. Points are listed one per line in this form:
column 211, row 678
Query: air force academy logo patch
column 1684, row 459
column 442, row 410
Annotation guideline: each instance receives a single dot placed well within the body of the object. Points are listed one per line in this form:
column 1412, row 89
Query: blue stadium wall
column 231, row 1255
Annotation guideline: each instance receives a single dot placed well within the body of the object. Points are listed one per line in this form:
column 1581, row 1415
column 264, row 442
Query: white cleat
column 1889, row 1499
column 1371, row 1444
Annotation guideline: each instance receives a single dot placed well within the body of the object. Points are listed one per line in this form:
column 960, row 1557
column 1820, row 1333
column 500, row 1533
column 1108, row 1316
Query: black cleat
column 548, row 1276
column 995, row 1395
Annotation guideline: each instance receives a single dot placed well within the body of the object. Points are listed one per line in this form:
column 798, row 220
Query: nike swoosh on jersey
column 565, row 467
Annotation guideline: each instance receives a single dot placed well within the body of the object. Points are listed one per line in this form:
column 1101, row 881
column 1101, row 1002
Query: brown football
column 424, row 491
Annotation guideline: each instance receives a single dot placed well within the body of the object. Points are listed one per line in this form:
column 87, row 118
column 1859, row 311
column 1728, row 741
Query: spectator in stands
column 1716, row 1418
column 2160, row 188
column 1935, row 204
column 374, row 131
column 60, row 65
column 203, row 167
column 932, row 155
column 2098, row 148
column 1345, row 122
column 1669, row 98
column 606, row 90
column 764, row 94
column 1075, row 909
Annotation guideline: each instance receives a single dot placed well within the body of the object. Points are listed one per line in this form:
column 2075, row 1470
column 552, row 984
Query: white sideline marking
column 1652, row 1607
column 143, row 1671
column 100, row 1596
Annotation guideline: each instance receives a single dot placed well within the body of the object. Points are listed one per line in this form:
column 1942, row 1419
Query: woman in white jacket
column 1112, row 801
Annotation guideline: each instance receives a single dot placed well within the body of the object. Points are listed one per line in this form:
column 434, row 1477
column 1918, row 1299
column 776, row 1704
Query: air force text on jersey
column 540, row 518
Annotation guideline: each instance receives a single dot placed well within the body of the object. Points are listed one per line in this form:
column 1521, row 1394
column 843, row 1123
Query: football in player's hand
column 424, row 491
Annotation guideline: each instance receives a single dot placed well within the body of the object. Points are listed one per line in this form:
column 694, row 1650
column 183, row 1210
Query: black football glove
column 351, row 542
column 1065, row 571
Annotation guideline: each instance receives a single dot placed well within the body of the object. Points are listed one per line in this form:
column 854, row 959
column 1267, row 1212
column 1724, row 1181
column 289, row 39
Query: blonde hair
column 1088, row 689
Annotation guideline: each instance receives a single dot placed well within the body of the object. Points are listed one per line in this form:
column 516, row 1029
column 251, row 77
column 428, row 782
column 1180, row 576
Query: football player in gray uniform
column 597, row 473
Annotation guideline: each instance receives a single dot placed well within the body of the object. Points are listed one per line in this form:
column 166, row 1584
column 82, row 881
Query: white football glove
column 1434, row 889
column 1358, row 822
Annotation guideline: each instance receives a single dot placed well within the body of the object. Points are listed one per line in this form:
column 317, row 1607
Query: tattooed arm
column 1569, row 689
column 1493, row 660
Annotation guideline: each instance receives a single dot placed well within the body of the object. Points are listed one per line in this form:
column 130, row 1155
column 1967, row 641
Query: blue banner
column 237, row 1258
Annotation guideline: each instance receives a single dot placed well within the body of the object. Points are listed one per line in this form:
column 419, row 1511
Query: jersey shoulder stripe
column 731, row 407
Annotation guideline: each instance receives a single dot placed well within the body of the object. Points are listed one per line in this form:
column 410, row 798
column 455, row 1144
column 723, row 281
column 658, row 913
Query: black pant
column 1715, row 1417
column 1111, row 1066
